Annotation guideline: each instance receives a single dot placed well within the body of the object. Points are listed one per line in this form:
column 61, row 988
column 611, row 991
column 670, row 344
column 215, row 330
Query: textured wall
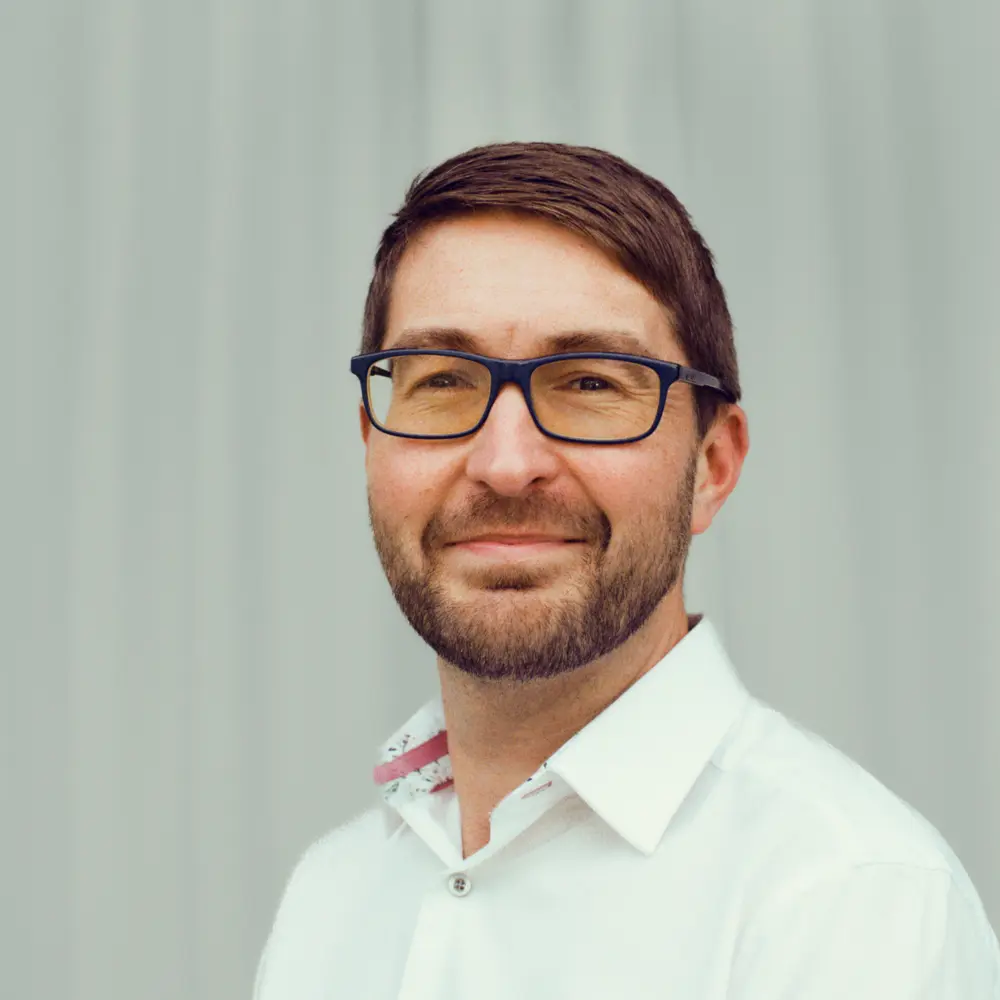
column 203, row 650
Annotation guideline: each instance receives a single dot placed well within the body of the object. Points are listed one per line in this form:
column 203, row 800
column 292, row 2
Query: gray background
column 201, row 652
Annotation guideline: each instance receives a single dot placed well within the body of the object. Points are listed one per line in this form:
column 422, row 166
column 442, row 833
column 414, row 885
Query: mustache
column 492, row 513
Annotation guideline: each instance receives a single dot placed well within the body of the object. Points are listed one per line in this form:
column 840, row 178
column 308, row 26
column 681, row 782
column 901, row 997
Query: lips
column 514, row 540
column 508, row 550
column 515, row 536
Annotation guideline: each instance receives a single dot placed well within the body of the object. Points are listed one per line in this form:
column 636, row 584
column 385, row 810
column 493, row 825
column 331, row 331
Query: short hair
column 630, row 216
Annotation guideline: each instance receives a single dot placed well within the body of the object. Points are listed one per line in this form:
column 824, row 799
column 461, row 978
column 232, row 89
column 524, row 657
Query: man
column 594, row 806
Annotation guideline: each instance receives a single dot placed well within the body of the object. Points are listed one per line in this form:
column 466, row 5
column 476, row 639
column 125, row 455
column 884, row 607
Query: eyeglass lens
column 593, row 399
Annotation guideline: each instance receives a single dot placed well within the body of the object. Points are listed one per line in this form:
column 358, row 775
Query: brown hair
column 629, row 215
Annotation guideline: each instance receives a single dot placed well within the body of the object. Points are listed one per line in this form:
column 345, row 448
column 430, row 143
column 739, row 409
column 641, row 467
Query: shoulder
column 335, row 858
column 815, row 805
column 327, row 872
column 826, row 847
column 312, row 905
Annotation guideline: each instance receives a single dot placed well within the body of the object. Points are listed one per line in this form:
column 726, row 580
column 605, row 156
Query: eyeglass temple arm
column 695, row 377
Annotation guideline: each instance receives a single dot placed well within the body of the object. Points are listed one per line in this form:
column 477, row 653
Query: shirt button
column 459, row 885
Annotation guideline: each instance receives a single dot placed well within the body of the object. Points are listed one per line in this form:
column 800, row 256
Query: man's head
column 508, row 247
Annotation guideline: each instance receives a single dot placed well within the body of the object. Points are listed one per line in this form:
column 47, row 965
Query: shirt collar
column 633, row 764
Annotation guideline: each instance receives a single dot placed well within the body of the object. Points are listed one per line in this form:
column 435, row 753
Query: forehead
column 511, row 286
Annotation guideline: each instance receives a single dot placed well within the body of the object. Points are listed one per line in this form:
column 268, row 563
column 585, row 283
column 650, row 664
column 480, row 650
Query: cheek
column 405, row 486
column 636, row 491
column 620, row 485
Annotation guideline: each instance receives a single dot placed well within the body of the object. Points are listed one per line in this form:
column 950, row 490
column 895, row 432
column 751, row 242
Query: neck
column 501, row 732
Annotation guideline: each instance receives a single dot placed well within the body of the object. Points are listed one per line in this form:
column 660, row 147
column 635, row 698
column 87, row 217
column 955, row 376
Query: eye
column 590, row 379
column 438, row 378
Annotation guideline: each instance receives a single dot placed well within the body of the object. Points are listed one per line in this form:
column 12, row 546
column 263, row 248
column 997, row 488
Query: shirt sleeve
column 872, row 932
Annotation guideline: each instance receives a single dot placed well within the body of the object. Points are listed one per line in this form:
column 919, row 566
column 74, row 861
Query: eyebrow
column 455, row 339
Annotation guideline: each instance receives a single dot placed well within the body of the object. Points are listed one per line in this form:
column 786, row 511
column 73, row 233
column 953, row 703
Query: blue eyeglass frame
column 520, row 372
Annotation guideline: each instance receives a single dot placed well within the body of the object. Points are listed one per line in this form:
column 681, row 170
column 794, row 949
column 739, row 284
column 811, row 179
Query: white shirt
column 689, row 843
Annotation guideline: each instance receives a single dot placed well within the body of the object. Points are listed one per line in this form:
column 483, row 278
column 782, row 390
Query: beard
column 505, row 627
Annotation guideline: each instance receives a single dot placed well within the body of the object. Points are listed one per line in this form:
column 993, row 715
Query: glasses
column 598, row 398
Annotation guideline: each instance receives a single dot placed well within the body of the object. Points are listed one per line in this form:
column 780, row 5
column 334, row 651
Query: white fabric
column 690, row 842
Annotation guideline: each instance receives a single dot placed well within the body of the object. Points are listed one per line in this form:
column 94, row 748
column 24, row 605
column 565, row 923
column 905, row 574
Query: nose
column 509, row 453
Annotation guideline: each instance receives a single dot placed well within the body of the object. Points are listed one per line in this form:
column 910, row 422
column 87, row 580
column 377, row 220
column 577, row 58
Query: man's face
column 510, row 283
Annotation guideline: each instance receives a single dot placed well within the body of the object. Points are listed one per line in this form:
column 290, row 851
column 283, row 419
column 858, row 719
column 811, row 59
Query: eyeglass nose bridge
column 519, row 373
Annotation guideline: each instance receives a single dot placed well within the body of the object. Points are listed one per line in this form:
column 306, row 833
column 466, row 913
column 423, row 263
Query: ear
column 366, row 424
column 720, row 461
